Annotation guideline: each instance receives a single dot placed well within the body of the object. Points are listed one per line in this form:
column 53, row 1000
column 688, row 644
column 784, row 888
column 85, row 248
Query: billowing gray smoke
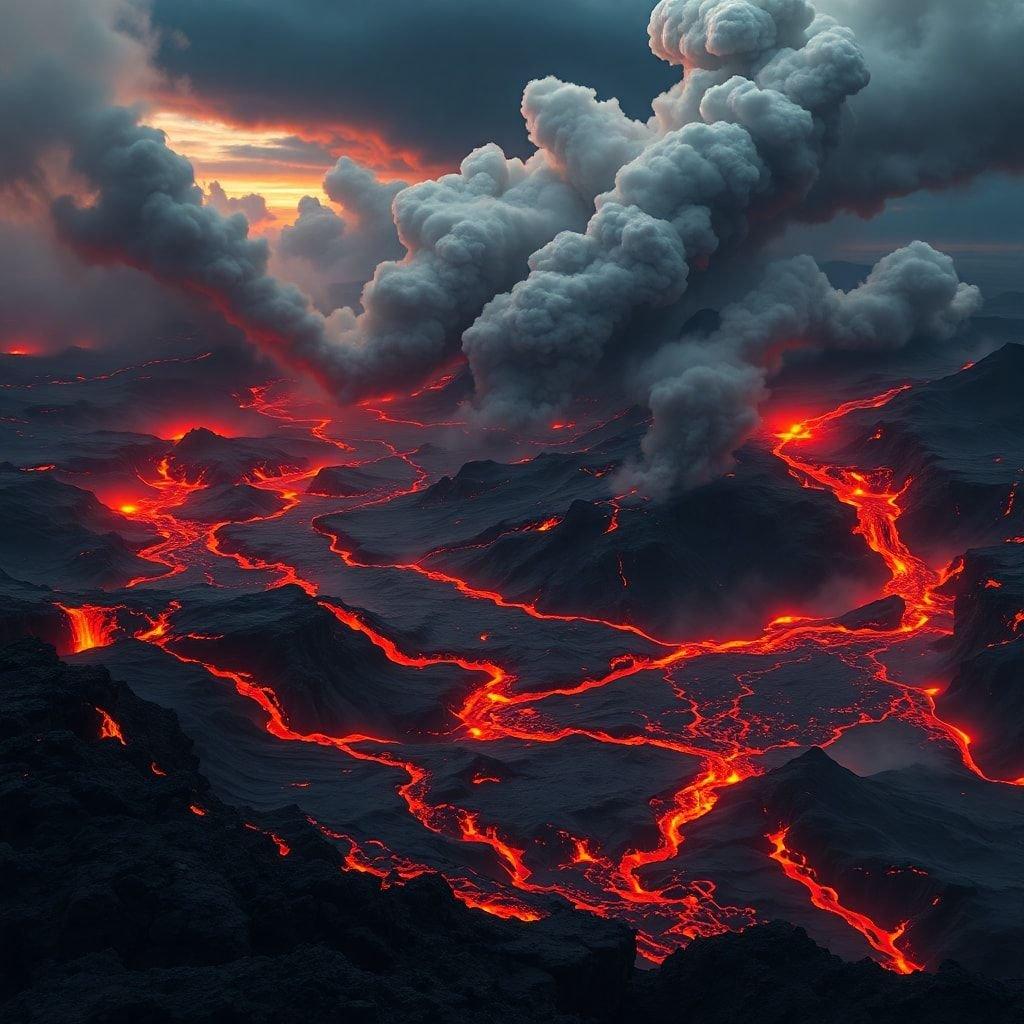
column 946, row 103
column 538, row 269
column 148, row 212
column 756, row 150
column 338, row 253
column 252, row 206
column 704, row 396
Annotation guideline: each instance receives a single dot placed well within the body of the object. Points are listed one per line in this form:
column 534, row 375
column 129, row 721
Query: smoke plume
column 332, row 255
column 704, row 396
column 252, row 206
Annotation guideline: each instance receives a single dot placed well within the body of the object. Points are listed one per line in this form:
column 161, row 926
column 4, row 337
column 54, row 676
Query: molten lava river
column 425, row 720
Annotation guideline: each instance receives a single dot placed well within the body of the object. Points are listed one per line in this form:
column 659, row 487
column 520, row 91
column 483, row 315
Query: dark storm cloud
column 945, row 105
column 436, row 76
column 60, row 59
column 289, row 150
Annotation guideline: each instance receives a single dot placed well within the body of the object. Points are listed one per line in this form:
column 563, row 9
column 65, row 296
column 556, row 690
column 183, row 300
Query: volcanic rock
column 329, row 677
column 678, row 568
column 986, row 695
column 122, row 902
column 937, row 849
column 58, row 535
column 131, row 892
column 354, row 481
column 229, row 503
column 959, row 441
column 203, row 454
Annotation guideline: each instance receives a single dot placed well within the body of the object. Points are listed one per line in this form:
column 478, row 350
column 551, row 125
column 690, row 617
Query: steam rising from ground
column 537, row 269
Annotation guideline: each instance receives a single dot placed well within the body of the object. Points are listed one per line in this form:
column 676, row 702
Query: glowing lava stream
column 91, row 626
column 436, row 818
column 720, row 742
column 176, row 534
column 825, row 898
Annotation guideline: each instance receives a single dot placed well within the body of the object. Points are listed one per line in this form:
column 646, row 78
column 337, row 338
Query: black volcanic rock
column 61, row 536
column 27, row 610
column 775, row 974
column 233, row 503
column 986, row 695
column 203, row 454
column 122, row 904
column 989, row 593
column 960, row 443
column 986, row 699
column 471, row 481
column 485, row 495
column 354, row 481
column 680, row 567
column 886, row 614
column 938, row 849
column 328, row 677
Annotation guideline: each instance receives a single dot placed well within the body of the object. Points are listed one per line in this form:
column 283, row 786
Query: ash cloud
column 251, row 206
column 704, row 396
column 945, row 106
column 755, row 152
column 332, row 255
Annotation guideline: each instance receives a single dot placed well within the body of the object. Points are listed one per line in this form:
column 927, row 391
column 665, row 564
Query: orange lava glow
column 91, row 626
column 283, row 849
column 826, row 898
column 109, row 729
column 210, row 138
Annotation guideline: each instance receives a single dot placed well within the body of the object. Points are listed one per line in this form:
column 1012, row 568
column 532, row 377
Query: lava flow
column 91, row 626
column 826, row 898
column 720, row 744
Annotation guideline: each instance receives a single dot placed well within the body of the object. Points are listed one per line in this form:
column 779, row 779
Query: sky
column 264, row 96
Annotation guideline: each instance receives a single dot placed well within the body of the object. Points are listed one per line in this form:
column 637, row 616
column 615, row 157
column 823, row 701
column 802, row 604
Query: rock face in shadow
column 121, row 903
column 939, row 850
column 131, row 893
column 959, row 441
column 327, row 676
column 986, row 695
column 58, row 535
column 234, row 503
column 355, row 481
column 775, row 974
column 204, row 454
column 677, row 568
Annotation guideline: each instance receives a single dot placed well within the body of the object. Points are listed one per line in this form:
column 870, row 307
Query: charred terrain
column 361, row 714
